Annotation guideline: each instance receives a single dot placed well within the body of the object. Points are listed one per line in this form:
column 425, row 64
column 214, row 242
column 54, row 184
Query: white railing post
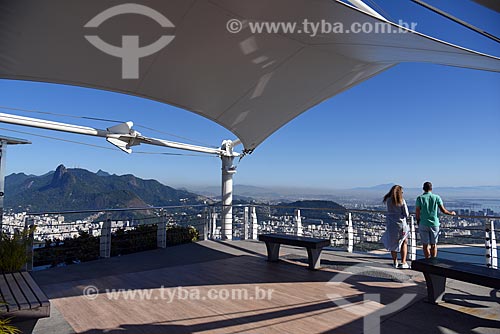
column 494, row 253
column 412, row 240
column 254, row 223
column 206, row 223
column 297, row 222
column 349, row 233
column 246, row 222
column 28, row 225
column 209, row 223
column 161, row 231
column 105, row 240
column 214, row 225
column 487, row 244
column 490, row 245
column 161, row 235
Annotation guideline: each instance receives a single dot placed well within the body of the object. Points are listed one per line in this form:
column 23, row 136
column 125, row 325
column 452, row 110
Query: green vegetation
column 7, row 328
column 86, row 247
column 368, row 246
column 13, row 250
column 13, row 257
column 82, row 248
column 79, row 189
column 180, row 235
column 316, row 209
column 142, row 238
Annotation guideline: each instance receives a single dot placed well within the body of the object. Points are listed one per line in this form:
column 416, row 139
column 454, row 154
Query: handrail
column 367, row 225
column 348, row 210
column 40, row 213
column 114, row 210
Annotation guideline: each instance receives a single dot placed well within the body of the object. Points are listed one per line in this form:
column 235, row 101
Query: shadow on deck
column 228, row 287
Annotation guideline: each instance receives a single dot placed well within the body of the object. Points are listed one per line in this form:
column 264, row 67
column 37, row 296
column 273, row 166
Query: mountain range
column 277, row 194
column 80, row 189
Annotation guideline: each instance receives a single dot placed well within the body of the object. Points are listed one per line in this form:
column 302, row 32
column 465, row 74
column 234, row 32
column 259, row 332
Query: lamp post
column 4, row 141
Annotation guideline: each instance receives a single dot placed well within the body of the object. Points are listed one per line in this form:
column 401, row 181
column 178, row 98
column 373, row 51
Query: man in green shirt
column 427, row 219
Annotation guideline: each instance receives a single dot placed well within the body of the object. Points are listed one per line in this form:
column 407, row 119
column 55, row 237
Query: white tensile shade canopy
column 252, row 84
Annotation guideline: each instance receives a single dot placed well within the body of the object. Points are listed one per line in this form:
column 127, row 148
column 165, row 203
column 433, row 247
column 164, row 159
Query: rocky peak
column 100, row 172
column 60, row 171
column 59, row 176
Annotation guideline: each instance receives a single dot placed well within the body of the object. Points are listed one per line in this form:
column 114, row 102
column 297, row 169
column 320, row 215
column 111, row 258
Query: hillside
column 79, row 189
column 318, row 209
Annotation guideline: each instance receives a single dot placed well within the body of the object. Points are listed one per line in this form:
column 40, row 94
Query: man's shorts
column 429, row 234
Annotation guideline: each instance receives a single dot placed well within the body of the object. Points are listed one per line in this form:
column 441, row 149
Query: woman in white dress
column 397, row 229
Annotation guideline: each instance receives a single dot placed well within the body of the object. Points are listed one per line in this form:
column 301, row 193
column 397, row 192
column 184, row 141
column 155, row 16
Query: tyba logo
column 130, row 52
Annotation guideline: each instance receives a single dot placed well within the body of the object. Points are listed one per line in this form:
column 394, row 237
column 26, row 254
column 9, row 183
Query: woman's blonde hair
column 396, row 195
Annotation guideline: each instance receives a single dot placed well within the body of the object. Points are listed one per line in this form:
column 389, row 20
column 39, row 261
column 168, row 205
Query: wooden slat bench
column 23, row 298
column 314, row 247
column 437, row 270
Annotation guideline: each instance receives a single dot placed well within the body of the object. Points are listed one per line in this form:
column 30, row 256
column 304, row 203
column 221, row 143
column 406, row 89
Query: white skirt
column 395, row 234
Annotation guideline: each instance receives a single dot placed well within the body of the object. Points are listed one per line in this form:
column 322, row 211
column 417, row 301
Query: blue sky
column 412, row 123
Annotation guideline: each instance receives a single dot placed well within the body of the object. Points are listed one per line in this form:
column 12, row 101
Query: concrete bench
column 436, row 271
column 22, row 297
column 314, row 247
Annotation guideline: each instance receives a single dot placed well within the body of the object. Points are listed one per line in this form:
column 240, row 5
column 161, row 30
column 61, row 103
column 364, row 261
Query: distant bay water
column 476, row 204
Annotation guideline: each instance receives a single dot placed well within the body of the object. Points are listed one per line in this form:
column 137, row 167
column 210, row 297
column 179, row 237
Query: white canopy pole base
column 228, row 171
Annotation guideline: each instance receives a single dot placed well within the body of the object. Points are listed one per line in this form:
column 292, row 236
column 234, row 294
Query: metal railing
column 104, row 233
column 470, row 237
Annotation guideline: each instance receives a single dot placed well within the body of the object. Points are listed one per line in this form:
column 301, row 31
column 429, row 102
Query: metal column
column 4, row 141
column 228, row 170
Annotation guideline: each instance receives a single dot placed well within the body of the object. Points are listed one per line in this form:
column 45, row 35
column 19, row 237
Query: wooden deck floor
column 209, row 297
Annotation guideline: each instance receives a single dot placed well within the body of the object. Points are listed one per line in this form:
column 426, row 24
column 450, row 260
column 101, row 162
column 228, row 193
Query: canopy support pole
column 365, row 8
column 4, row 141
column 457, row 20
column 3, row 152
column 228, row 170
